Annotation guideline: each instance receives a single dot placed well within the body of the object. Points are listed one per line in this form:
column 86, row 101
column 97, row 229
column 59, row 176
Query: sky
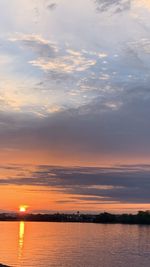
column 75, row 105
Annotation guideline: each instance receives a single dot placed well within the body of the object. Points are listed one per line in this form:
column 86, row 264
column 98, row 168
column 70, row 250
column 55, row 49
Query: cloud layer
column 74, row 90
column 118, row 184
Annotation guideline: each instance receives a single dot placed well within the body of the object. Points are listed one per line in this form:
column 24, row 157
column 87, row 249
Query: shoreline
column 2, row 265
column 141, row 218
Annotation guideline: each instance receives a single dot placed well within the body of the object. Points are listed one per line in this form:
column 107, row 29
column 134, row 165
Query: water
column 74, row 245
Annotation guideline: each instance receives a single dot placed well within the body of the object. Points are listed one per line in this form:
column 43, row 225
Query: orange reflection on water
column 21, row 239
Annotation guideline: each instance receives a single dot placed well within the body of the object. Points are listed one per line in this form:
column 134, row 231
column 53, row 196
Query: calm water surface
column 74, row 245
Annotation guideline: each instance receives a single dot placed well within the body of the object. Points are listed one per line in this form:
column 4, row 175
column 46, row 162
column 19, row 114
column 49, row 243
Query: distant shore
column 142, row 217
column 2, row 265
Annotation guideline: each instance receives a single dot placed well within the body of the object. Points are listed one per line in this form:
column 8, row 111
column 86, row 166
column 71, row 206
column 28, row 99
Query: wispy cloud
column 37, row 44
column 66, row 64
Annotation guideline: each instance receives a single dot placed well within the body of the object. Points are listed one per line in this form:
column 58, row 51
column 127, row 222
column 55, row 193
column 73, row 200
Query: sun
column 23, row 208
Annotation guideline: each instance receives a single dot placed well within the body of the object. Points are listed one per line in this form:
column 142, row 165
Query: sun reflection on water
column 21, row 239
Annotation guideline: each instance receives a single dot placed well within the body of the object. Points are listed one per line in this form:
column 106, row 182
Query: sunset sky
column 75, row 105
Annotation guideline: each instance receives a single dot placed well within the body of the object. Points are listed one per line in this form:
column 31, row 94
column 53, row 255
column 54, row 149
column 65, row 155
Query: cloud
column 118, row 126
column 66, row 64
column 52, row 58
column 36, row 44
column 141, row 45
column 52, row 6
column 113, row 5
column 92, row 101
column 84, row 74
column 120, row 184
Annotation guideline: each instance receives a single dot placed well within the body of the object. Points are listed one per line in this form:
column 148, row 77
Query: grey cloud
column 127, row 184
column 51, row 6
column 115, row 5
column 118, row 126
column 113, row 122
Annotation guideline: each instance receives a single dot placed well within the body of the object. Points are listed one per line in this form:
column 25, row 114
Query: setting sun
column 23, row 209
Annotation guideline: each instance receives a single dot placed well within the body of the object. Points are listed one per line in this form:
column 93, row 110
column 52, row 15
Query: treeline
column 59, row 217
column 142, row 217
